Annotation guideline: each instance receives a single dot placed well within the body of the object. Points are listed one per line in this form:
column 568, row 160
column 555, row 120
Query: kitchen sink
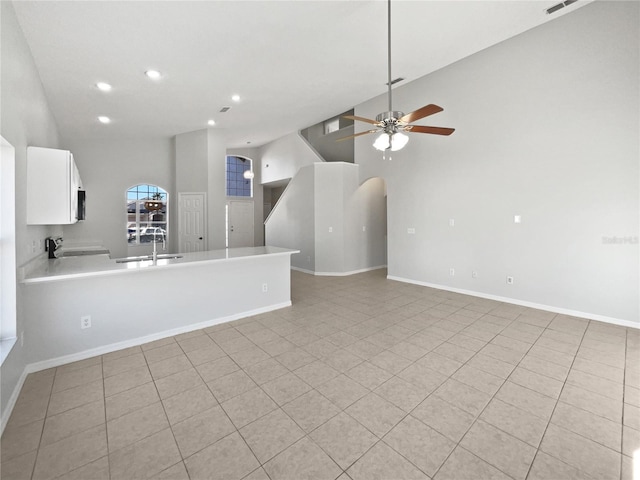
column 146, row 258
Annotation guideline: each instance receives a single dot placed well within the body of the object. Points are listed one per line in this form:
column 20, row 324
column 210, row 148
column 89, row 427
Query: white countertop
column 93, row 265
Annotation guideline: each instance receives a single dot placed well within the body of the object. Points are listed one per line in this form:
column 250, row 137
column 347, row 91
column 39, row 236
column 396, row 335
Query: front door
column 240, row 224
column 191, row 212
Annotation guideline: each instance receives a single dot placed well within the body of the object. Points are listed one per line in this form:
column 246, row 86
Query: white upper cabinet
column 53, row 182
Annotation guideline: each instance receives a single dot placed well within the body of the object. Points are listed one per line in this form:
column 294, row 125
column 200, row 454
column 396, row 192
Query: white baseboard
column 93, row 352
column 522, row 303
column 338, row 274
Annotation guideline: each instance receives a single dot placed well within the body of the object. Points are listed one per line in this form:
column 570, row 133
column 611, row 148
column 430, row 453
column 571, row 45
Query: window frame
column 232, row 176
column 138, row 195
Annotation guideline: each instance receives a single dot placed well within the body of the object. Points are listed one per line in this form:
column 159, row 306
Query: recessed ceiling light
column 235, row 98
column 105, row 87
column 153, row 74
column 211, row 122
column 103, row 119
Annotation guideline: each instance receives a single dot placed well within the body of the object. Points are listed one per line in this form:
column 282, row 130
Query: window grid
column 143, row 225
column 237, row 185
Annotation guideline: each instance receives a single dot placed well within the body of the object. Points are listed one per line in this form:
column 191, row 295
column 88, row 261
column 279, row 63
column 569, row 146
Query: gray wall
column 26, row 120
column 108, row 169
column 547, row 128
column 282, row 158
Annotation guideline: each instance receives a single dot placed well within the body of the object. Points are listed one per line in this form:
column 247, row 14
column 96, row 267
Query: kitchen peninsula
column 79, row 307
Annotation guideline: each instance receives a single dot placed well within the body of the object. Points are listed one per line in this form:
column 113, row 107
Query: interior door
column 191, row 212
column 240, row 224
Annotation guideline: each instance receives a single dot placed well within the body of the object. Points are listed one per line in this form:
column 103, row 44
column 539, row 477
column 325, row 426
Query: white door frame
column 204, row 218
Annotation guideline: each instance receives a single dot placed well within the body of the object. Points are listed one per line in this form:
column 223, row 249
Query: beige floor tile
column 217, row 368
column 227, row 459
column 544, row 367
column 528, row 400
column 17, row 441
column 174, row 472
column 588, row 425
column 73, row 421
column 258, row 474
column 310, row 410
column 454, row 352
column 248, row 406
column 364, row 349
column 96, row 470
column 599, row 369
column 463, row 465
column 249, row 356
column 127, row 380
column 342, row 391
column 266, row 371
column 186, row 404
column 546, row 467
column 157, row 343
column 515, row 421
column 463, row 396
column 321, row 348
column 231, row 385
column 444, row 417
column 70, row 453
column 204, row 355
column 632, row 395
column 76, row 378
column 302, row 460
column 491, row 365
column 285, row 388
column 19, row 468
column 271, row 434
column 630, row 441
column 368, row 375
column 316, row 373
column 75, row 397
column 536, row 382
column 202, row 430
column 342, row 360
column 178, row 383
column 478, row 379
column 592, row 402
column 420, row 444
column 554, row 356
column 631, row 416
column 390, row 362
column 296, row 358
column 402, row 394
column 196, row 343
column 382, row 462
column 131, row 400
column 277, row 347
column 145, row 458
column 122, row 364
column 162, row 353
column 376, row 414
column 499, row 449
column 88, row 362
column 596, row 384
column 343, row 439
column 581, row 453
column 467, row 342
column 132, row 427
column 164, row 368
column 439, row 363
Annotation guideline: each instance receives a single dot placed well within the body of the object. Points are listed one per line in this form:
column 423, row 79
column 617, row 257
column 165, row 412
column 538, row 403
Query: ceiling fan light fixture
column 382, row 142
column 398, row 141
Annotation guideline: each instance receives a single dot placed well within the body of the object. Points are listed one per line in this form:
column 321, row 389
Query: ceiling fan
column 391, row 124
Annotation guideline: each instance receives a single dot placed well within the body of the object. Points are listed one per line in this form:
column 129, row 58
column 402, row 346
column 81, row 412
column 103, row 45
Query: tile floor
column 363, row 378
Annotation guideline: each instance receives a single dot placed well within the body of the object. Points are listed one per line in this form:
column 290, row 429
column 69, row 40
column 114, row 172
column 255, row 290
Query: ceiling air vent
column 560, row 5
column 399, row 79
column 225, row 109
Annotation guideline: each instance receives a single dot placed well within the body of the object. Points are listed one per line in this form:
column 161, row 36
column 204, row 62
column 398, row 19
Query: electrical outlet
column 364, row 228
column 85, row 322
column 517, row 219
column 474, row 274
column 510, row 280
column 411, row 230
column 452, row 271
column 330, row 229
column 452, row 222
column 265, row 287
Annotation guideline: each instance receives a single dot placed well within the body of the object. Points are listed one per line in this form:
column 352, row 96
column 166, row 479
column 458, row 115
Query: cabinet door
column 49, row 193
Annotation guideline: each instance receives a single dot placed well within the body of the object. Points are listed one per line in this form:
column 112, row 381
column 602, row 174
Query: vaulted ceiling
column 293, row 63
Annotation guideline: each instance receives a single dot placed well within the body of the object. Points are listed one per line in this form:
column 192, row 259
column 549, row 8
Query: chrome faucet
column 154, row 256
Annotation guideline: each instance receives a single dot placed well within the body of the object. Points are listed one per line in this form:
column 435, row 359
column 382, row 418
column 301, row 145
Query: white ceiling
column 294, row 63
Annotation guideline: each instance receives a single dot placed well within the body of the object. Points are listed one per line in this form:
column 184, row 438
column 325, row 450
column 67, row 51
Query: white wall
column 108, row 169
column 25, row 120
column 292, row 223
column 282, row 158
column 547, row 127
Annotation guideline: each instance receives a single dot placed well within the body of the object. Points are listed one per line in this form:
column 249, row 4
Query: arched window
column 146, row 214
column 239, row 177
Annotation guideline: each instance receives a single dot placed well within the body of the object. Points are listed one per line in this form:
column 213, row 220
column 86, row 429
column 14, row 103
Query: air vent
column 397, row 80
column 560, row 5
column 225, row 109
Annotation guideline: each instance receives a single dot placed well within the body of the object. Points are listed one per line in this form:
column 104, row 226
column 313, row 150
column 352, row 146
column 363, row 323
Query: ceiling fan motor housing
column 389, row 121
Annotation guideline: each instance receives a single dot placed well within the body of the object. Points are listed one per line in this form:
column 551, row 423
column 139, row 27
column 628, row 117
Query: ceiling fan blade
column 433, row 130
column 421, row 113
column 356, row 135
column 360, row 119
